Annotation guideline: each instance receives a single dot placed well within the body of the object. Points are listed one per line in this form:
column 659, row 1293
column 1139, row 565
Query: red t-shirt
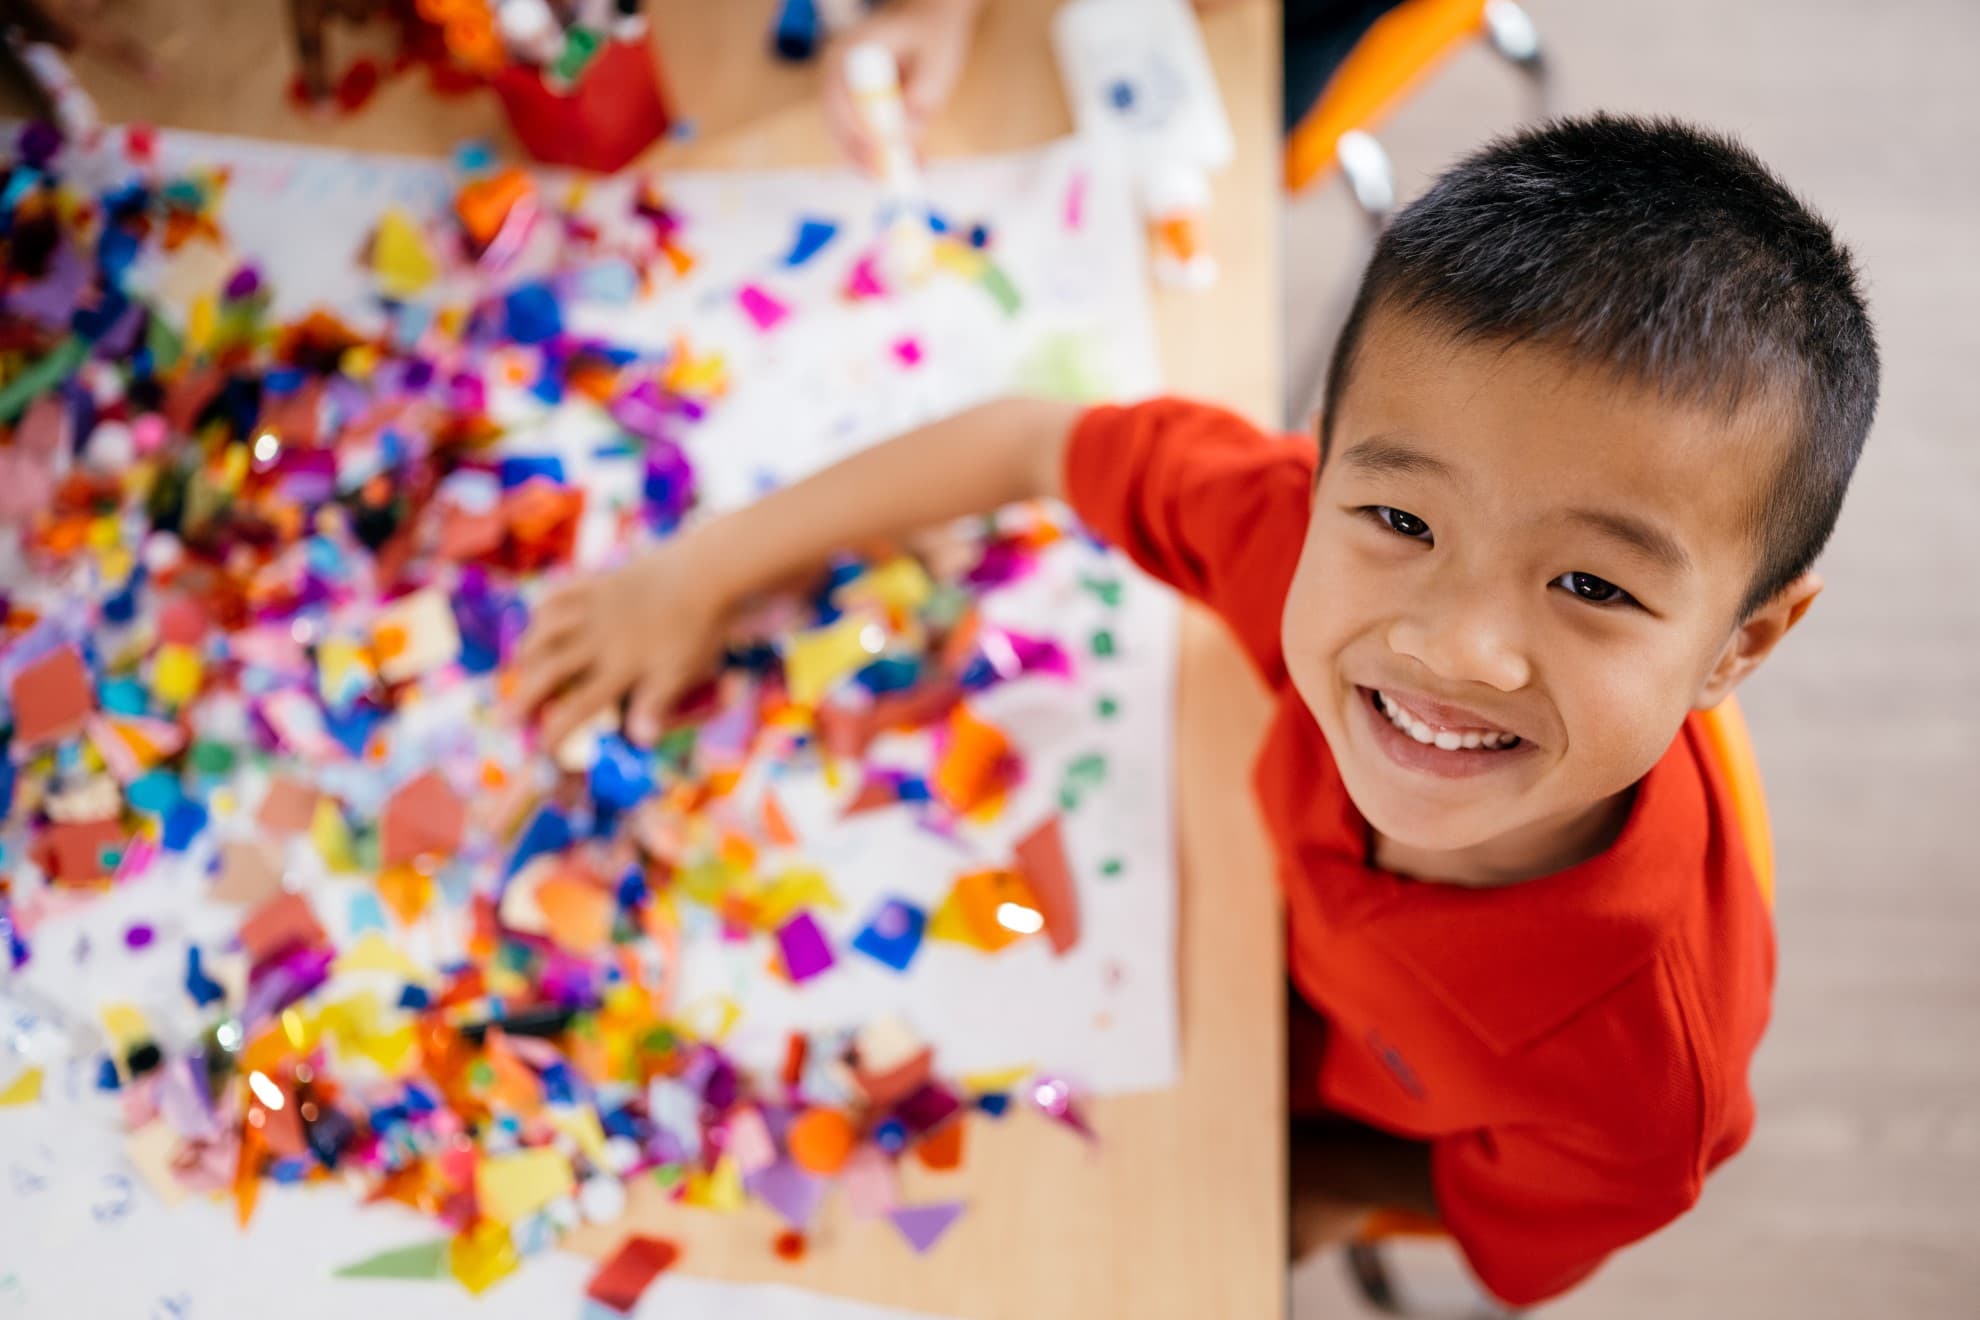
column 1574, row 1048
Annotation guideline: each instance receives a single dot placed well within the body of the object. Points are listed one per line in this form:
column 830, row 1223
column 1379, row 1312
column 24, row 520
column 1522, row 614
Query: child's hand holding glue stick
column 876, row 91
column 929, row 41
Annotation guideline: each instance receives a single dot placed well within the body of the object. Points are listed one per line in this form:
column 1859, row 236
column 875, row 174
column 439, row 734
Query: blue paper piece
column 531, row 314
column 182, row 825
column 203, row 988
column 122, row 696
column 890, row 673
column 622, row 774
column 812, row 236
column 366, row 913
column 892, row 935
column 996, row 1104
column 518, row 468
column 414, row 997
column 548, row 831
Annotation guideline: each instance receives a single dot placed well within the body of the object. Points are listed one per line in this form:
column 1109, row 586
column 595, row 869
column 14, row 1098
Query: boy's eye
column 1594, row 590
column 1401, row 523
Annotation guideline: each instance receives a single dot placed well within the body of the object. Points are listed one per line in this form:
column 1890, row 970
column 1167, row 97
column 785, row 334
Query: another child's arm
column 650, row 627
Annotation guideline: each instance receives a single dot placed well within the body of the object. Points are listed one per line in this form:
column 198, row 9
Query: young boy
column 1586, row 431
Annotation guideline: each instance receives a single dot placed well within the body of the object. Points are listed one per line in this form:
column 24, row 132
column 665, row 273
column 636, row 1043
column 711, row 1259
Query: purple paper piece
column 642, row 410
column 284, row 982
column 806, row 952
column 51, row 300
column 794, row 1194
column 1003, row 563
column 924, row 1225
column 243, row 283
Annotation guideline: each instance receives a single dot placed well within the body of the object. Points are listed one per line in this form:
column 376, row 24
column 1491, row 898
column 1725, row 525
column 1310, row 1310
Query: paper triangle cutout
column 428, row 1260
column 924, row 1225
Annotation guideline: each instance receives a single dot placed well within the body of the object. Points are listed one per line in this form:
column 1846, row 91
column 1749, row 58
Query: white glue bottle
column 876, row 91
column 1176, row 200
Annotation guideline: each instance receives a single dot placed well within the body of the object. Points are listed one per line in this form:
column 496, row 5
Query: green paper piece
column 428, row 1260
column 1107, row 589
column 1109, row 708
column 1088, row 771
column 212, row 758
column 1068, row 800
column 41, row 376
column 998, row 285
column 667, row 1174
column 1103, row 642
column 1065, row 366
column 1112, row 867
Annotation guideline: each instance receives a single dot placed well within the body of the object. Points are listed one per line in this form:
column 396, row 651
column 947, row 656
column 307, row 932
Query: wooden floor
column 1860, row 1192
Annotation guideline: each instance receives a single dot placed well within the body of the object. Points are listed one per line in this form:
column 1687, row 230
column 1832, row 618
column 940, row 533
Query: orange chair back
column 1732, row 748
column 1402, row 47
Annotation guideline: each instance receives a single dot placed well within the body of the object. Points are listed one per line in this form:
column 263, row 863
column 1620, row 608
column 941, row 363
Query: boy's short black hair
column 1670, row 254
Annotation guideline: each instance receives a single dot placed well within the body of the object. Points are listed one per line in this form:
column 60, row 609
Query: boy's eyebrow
column 1382, row 456
column 1647, row 539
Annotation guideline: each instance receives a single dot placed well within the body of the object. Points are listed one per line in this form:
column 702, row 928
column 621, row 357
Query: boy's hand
column 930, row 42
column 649, row 628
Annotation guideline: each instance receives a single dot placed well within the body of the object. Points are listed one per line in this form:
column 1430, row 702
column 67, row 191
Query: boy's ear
column 1755, row 639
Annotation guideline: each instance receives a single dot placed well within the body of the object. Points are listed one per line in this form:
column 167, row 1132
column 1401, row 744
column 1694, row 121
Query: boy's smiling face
column 1514, row 548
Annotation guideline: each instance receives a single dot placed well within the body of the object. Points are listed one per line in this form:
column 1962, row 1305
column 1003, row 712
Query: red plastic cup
column 614, row 111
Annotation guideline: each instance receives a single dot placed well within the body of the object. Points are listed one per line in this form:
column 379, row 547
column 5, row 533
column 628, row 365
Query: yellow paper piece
column 960, row 258
column 23, row 1090
column 399, row 256
column 125, row 1024
column 721, row 1190
column 512, row 1187
column 793, row 891
column 815, row 661
column 150, row 1150
column 176, row 674
column 901, row 585
column 332, row 837
column 582, row 1126
column 482, row 1258
column 372, row 952
column 991, row 1083
column 201, row 321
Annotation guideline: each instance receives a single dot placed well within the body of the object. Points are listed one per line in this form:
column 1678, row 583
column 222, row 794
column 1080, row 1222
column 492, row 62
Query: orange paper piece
column 986, row 910
column 79, row 851
column 282, row 923
column 888, row 1087
column 942, row 1149
column 975, row 766
column 288, row 808
column 250, row 872
column 577, row 910
column 820, row 1141
column 52, row 697
column 424, row 818
column 407, row 891
column 484, row 205
column 777, row 826
column 1041, row 859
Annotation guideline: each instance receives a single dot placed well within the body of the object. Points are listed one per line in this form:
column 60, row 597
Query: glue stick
column 1175, row 199
column 876, row 92
column 73, row 110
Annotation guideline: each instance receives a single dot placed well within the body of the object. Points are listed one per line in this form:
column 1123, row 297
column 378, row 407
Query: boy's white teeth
column 1448, row 740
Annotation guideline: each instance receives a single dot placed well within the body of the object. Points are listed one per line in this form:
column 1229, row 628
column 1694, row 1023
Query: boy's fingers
column 566, row 713
column 649, row 707
column 541, row 678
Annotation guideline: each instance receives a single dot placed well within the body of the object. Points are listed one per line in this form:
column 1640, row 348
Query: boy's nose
column 1464, row 633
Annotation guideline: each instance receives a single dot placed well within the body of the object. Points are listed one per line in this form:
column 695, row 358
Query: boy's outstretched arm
column 650, row 627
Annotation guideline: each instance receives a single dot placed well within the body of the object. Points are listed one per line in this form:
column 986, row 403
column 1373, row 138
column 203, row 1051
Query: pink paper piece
column 865, row 280
column 790, row 1191
column 908, row 351
column 924, row 1225
column 1076, row 200
column 762, row 309
column 806, row 952
column 868, row 1180
column 749, row 1141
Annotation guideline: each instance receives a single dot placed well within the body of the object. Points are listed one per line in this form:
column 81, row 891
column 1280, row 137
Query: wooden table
column 1180, row 1210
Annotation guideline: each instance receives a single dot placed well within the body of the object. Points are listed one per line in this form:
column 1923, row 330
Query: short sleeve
column 1202, row 500
column 1537, row 1210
